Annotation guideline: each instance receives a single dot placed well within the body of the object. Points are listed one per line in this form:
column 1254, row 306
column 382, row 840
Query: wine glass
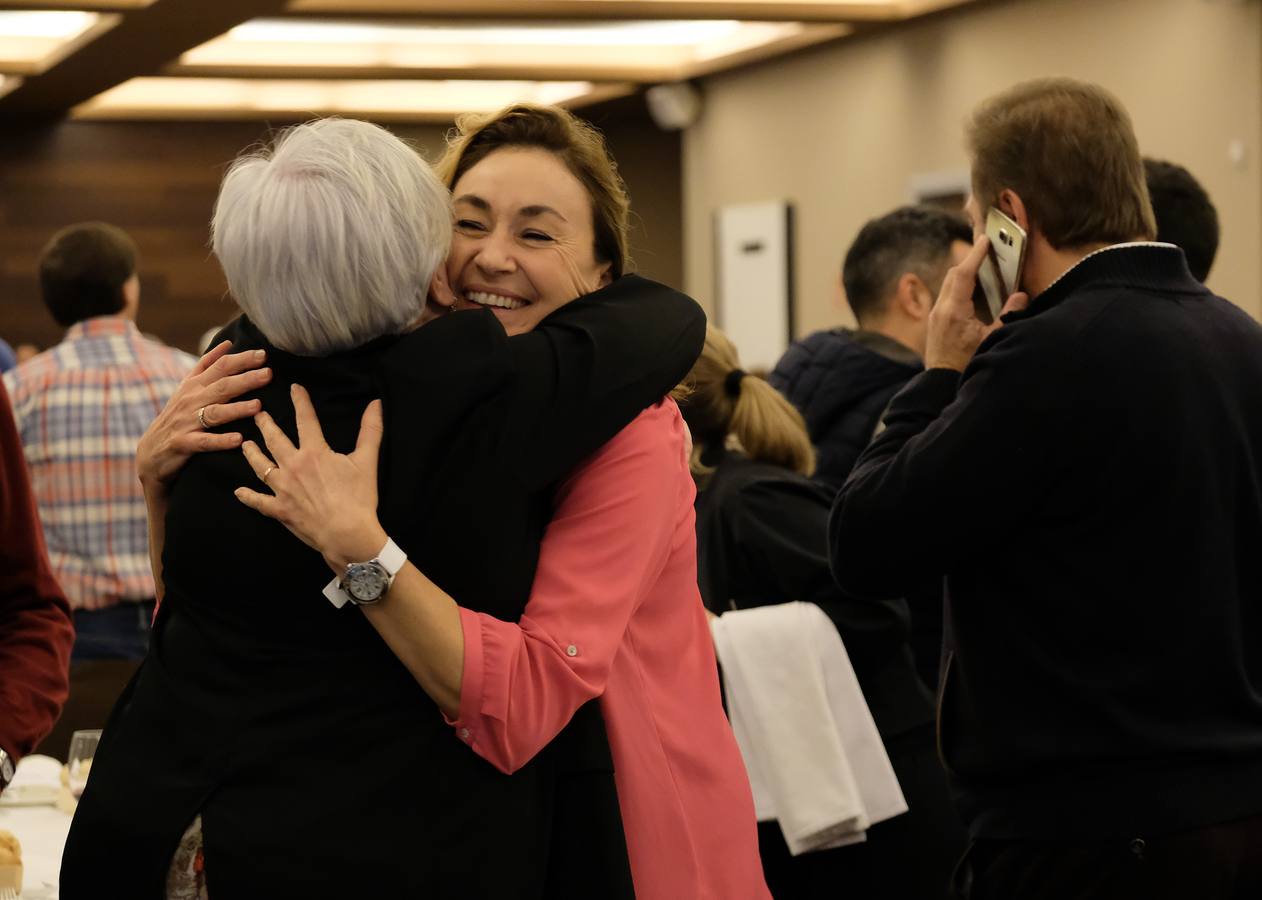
column 82, row 749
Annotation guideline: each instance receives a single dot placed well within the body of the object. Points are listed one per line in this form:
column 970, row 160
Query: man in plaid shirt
column 81, row 408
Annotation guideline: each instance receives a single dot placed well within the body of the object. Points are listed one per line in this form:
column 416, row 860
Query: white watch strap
column 391, row 558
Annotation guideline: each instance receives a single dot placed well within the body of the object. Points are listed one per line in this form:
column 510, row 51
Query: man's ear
column 913, row 296
column 1011, row 205
column 131, row 294
column 440, row 292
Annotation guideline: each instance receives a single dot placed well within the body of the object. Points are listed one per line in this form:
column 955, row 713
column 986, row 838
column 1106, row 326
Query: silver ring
column 270, row 470
column 201, row 417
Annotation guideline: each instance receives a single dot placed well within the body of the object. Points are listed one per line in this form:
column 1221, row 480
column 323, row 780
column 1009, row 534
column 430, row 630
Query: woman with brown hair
column 614, row 615
column 762, row 539
column 541, row 219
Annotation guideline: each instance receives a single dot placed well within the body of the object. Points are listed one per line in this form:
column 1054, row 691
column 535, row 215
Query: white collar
column 1124, row 246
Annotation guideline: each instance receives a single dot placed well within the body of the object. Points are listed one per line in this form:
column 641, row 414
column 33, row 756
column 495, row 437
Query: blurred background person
column 762, row 539
column 35, row 629
column 1186, row 217
column 8, row 359
column 842, row 379
column 81, row 408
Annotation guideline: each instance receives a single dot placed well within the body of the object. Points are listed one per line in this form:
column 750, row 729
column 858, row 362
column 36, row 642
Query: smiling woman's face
column 524, row 243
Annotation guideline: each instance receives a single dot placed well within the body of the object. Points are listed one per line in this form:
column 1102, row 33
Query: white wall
column 840, row 131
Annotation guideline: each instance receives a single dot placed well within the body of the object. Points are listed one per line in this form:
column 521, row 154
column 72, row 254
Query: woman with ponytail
column 725, row 401
column 762, row 528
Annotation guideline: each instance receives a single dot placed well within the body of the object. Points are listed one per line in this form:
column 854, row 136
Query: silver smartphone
column 1000, row 274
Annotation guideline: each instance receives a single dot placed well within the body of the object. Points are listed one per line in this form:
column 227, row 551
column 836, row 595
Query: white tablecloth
column 42, row 832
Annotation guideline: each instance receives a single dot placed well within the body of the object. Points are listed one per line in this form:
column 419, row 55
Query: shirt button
column 464, row 734
column 571, row 650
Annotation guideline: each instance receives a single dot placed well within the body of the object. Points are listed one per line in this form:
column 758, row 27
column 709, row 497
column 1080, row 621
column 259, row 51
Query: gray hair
column 330, row 238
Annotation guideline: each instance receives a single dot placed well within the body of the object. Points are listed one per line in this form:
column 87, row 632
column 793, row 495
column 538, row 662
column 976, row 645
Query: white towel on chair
column 815, row 760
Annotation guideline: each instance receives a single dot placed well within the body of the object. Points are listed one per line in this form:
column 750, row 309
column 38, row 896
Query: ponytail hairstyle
column 727, row 407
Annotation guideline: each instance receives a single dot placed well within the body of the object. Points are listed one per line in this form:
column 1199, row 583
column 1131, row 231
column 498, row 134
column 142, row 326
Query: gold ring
column 270, row 470
column 201, row 417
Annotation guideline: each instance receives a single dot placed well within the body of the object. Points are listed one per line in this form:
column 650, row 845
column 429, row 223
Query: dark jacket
column 319, row 766
column 762, row 539
column 841, row 381
column 1092, row 490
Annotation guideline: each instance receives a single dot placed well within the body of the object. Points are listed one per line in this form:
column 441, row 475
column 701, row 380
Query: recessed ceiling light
column 834, row 11
column 45, row 24
column 647, row 52
column 303, row 98
column 594, row 34
column 32, row 41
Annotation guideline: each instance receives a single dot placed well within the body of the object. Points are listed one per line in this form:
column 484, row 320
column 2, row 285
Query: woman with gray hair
column 314, row 763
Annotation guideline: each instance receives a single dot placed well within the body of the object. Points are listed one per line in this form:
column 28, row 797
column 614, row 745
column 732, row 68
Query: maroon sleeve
column 36, row 633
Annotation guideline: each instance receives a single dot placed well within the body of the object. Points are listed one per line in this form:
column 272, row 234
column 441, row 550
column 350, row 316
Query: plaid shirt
column 81, row 408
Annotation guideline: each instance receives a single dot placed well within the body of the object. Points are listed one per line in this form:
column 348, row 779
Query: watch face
column 366, row 582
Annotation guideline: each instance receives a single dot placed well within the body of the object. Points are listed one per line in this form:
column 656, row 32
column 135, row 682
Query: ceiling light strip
column 81, row 5
column 761, row 10
column 291, row 99
column 31, row 42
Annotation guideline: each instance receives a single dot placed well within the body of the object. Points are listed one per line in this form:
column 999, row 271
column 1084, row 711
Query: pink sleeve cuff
column 471, row 679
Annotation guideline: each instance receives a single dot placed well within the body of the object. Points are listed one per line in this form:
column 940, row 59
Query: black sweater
column 1092, row 490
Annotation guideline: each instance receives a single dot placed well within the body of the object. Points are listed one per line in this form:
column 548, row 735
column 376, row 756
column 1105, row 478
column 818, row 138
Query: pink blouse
column 615, row 614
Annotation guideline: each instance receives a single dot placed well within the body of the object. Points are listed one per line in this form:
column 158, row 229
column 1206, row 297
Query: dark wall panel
column 158, row 181
column 155, row 180
column 651, row 163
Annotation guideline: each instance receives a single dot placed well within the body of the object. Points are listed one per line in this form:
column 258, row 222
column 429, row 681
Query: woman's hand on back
column 177, row 433
column 328, row 500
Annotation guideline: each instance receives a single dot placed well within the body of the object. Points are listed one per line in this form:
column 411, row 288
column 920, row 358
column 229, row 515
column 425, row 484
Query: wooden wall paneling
column 157, row 182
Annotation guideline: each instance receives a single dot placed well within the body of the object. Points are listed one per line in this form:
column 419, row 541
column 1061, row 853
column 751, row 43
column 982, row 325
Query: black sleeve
column 591, row 367
column 779, row 531
column 961, row 462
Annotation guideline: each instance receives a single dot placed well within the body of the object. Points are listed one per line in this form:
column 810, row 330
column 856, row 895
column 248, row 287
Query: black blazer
column 319, row 766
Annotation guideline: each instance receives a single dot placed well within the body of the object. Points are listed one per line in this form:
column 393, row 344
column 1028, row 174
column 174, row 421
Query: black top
column 762, row 538
column 319, row 766
column 841, row 381
column 1092, row 489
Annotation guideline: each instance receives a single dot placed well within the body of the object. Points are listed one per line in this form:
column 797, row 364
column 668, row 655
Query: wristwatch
column 365, row 583
column 6, row 769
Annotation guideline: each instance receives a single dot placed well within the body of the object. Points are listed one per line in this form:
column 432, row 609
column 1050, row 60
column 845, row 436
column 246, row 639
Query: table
column 42, row 831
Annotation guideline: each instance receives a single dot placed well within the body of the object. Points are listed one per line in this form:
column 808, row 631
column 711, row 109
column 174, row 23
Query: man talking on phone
column 1087, row 474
